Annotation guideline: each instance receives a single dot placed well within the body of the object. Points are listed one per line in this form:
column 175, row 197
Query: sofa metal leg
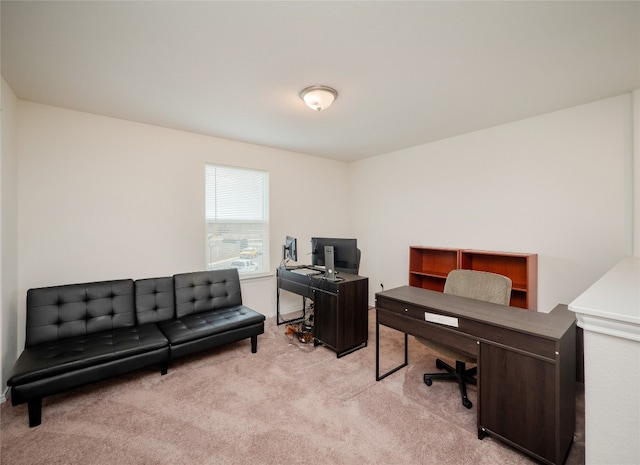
column 35, row 412
column 254, row 344
column 164, row 367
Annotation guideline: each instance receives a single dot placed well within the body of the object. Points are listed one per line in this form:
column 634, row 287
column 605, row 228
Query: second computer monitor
column 345, row 253
column 290, row 249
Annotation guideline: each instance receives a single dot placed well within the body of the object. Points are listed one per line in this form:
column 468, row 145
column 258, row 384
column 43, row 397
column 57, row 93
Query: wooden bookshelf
column 522, row 269
column 429, row 266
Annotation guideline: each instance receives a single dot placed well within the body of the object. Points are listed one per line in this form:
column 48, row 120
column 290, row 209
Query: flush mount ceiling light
column 318, row 97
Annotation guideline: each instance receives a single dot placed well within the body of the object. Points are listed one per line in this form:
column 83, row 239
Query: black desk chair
column 480, row 285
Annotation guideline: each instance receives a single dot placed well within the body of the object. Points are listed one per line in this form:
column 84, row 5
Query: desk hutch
column 429, row 266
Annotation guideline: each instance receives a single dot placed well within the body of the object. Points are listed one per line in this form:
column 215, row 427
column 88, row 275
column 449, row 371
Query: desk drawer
column 400, row 308
column 485, row 332
column 436, row 318
column 297, row 288
column 535, row 345
column 433, row 332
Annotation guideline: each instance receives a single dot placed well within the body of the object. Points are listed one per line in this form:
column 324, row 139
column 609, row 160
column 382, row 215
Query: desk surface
column 291, row 274
column 549, row 325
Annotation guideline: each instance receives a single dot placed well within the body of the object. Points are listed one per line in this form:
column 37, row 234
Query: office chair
column 480, row 285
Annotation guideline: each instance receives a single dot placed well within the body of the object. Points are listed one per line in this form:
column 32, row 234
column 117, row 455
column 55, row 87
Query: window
column 237, row 219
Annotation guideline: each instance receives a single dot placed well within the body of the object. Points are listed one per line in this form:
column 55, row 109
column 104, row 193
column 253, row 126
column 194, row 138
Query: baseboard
column 3, row 397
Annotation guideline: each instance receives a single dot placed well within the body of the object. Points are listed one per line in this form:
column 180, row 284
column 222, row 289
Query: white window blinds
column 237, row 219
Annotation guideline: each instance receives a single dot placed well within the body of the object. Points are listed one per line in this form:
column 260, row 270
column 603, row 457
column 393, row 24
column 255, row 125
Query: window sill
column 256, row 276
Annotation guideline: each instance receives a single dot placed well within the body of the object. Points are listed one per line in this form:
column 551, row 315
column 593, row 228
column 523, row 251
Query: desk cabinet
column 538, row 391
column 341, row 317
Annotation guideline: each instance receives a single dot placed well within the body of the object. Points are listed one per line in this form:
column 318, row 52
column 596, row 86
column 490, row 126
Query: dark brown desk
column 341, row 318
column 526, row 362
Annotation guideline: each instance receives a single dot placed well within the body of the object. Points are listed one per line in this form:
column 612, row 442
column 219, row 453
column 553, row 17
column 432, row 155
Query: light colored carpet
column 288, row 403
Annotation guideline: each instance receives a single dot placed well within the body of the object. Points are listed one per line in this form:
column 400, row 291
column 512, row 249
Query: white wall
column 102, row 198
column 559, row 185
column 8, row 234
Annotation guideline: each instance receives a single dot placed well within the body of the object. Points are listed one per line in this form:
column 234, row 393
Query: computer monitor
column 290, row 249
column 345, row 253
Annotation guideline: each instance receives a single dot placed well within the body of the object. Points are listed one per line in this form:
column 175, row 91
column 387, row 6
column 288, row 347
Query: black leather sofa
column 82, row 333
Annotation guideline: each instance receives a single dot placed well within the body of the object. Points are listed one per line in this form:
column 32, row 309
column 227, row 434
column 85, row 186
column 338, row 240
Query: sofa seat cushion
column 200, row 325
column 53, row 358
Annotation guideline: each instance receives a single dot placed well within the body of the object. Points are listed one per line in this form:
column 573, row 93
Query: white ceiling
column 407, row 73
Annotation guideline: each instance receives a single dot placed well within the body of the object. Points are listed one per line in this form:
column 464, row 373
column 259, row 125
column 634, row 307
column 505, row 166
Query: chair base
column 459, row 373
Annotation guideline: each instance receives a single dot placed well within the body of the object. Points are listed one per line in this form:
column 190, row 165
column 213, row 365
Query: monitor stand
column 330, row 270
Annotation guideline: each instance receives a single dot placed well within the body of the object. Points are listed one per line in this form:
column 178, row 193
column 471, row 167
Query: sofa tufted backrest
column 59, row 312
column 202, row 291
column 154, row 300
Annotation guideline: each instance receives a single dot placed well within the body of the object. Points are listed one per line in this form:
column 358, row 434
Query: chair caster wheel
column 467, row 403
column 427, row 380
column 439, row 364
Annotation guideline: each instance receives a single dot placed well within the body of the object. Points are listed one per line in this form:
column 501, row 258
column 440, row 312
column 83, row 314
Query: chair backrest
column 479, row 285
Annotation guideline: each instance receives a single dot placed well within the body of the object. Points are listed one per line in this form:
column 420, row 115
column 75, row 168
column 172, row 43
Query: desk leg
column 406, row 355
